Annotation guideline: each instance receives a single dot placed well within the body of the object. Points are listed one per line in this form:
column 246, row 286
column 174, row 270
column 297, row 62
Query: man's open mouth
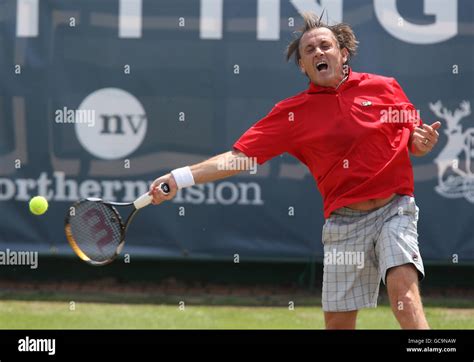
column 320, row 66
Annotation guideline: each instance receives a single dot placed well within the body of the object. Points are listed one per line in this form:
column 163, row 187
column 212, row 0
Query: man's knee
column 402, row 282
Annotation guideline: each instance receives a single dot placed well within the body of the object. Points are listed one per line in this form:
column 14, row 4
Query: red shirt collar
column 352, row 79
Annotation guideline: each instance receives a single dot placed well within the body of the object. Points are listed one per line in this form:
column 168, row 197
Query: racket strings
column 94, row 231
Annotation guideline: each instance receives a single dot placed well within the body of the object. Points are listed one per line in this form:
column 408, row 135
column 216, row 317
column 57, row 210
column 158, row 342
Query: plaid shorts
column 359, row 248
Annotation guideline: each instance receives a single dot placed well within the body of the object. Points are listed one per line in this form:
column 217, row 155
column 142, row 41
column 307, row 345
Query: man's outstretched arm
column 210, row 170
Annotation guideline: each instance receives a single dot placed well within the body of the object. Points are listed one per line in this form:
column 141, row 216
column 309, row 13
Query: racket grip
column 145, row 199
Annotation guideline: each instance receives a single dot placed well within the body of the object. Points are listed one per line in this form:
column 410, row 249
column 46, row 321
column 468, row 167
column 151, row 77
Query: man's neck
column 342, row 80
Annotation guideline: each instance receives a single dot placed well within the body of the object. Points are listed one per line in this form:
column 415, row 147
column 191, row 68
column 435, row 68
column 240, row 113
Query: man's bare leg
column 340, row 320
column 402, row 286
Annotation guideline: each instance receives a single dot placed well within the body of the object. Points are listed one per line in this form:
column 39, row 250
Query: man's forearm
column 216, row 167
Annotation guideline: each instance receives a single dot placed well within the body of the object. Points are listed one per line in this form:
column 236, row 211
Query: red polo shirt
column 353, row 139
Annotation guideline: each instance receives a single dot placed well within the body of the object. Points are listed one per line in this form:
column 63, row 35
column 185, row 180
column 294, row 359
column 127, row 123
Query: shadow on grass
column 162, row 299
column 277, row 300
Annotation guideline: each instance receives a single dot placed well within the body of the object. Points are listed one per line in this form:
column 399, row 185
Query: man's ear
column 345, row 55
column 301, row 67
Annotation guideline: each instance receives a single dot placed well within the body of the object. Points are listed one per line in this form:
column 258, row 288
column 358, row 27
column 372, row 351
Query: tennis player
column 354, row 131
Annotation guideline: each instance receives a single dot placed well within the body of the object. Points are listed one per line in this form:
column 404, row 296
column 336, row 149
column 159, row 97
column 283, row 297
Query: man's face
column 321, row 58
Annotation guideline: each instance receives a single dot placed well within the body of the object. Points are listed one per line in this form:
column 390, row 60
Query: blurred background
column 98, row 98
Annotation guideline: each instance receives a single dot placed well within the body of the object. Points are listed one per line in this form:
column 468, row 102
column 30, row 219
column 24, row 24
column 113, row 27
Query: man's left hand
column 424, row 138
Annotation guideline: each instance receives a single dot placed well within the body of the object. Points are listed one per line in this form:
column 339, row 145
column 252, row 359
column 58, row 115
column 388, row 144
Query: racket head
column 95, row 231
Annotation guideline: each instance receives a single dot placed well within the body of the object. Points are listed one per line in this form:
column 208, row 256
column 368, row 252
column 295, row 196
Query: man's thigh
column 351, row 278
column 397, row 243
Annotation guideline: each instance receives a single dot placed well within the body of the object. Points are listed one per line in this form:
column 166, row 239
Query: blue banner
column 98, row 98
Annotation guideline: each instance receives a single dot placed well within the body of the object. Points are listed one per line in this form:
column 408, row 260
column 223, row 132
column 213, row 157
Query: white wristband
column 183, row 177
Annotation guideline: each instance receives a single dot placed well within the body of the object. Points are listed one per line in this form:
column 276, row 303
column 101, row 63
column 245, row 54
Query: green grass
column 21, row 314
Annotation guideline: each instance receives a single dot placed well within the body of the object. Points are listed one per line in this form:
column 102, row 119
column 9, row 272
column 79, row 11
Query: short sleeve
column 267, row 138
column 410, row 116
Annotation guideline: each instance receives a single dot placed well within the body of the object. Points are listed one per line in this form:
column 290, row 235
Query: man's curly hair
column 342, row 32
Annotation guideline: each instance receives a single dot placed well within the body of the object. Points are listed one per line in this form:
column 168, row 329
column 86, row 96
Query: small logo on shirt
column 366, row 103
column 414, row 257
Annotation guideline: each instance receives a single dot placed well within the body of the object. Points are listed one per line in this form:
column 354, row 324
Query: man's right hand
column 158, row 195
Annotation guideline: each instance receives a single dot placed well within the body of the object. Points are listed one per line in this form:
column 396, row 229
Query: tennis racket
column 95, row 230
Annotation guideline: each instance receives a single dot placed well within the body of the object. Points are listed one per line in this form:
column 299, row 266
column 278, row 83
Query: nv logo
column 120, row 126
column 456, row 160
column 114, row 124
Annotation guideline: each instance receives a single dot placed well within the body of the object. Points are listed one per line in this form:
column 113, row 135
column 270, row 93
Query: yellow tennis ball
column 38, row 205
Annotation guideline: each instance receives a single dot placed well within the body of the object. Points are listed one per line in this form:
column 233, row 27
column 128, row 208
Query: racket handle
column 145, row 199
